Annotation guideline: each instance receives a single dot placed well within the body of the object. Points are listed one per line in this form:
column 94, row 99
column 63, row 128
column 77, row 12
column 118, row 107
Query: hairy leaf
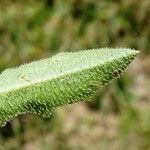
column 41, row 86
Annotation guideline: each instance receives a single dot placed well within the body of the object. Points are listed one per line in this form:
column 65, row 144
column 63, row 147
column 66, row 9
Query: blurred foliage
column 32, row 29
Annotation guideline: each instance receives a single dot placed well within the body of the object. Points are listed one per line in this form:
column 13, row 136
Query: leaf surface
column 41, row 86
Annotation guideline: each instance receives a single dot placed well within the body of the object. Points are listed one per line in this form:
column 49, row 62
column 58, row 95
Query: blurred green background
column 118, row 117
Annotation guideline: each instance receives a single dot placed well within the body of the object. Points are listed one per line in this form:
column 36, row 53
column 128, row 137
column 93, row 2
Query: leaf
column 41, row 86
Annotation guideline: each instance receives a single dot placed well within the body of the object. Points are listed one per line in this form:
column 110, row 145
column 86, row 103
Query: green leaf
column 41, row 86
